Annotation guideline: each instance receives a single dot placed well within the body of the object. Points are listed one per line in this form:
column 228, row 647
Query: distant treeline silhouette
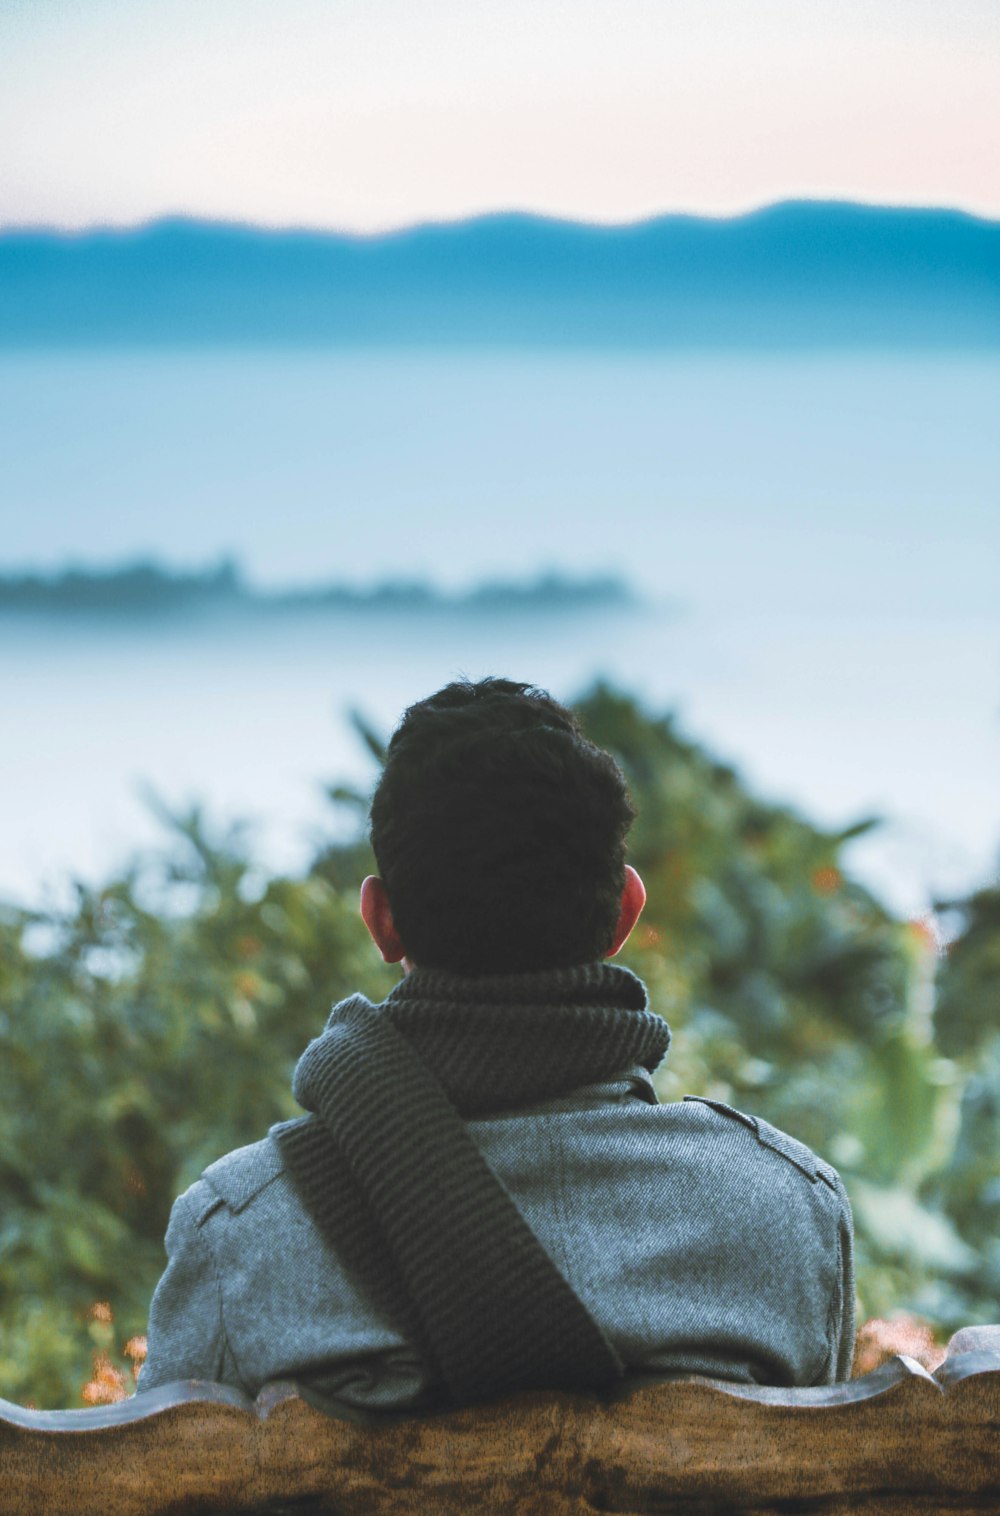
column 150, row 588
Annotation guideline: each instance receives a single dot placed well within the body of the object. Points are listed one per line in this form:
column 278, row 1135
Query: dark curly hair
column 499, row 832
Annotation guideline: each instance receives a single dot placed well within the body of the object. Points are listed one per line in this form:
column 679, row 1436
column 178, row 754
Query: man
column 486, row 1195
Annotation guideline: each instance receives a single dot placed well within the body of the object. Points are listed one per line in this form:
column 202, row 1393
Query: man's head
column 499, row 832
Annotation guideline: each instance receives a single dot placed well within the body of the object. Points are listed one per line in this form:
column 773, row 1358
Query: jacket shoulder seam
column 771, row 1137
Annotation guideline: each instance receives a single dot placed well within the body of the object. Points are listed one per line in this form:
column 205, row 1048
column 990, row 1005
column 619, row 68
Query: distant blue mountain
column 793, row 274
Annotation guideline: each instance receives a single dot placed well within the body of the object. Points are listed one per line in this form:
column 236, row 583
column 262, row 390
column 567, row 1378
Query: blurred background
column 648, row 353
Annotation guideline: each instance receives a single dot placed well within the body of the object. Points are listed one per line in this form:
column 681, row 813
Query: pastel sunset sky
column 367, row 114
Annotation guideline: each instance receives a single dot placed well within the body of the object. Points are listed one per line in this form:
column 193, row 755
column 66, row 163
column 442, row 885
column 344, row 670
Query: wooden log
column 897, row 1441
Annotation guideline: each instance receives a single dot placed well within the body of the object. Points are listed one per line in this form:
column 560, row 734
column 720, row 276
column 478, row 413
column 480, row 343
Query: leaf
column 375, row 744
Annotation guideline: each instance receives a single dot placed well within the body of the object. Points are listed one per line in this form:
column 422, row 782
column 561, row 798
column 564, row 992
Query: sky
column 367, row 114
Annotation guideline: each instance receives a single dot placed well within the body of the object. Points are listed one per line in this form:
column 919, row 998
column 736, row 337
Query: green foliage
column 144, row 1032
column 153, row 1026
column 967, row 1014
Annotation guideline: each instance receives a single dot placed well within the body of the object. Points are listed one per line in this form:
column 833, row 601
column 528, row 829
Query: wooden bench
column 897, row 1440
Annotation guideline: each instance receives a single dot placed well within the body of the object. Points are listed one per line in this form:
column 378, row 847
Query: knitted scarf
column 398, row 1188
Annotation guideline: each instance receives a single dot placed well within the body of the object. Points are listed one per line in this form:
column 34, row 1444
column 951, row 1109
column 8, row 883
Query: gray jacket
column 701, row 1239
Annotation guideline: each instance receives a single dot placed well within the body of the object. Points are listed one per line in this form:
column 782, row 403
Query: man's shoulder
column 697, row 1151
column 716, row 1118
column 237, row 1178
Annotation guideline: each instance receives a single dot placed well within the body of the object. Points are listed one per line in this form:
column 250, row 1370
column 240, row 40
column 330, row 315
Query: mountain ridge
column 510, row 214
column 794, row 272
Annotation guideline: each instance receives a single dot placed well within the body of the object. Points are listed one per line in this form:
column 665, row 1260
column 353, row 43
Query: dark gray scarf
column 400, row 1191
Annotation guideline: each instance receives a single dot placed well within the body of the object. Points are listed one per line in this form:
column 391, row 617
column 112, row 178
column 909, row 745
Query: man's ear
column 633, row 900
column 376, row 913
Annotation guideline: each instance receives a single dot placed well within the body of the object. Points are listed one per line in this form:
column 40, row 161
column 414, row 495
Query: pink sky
column 373, row 113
